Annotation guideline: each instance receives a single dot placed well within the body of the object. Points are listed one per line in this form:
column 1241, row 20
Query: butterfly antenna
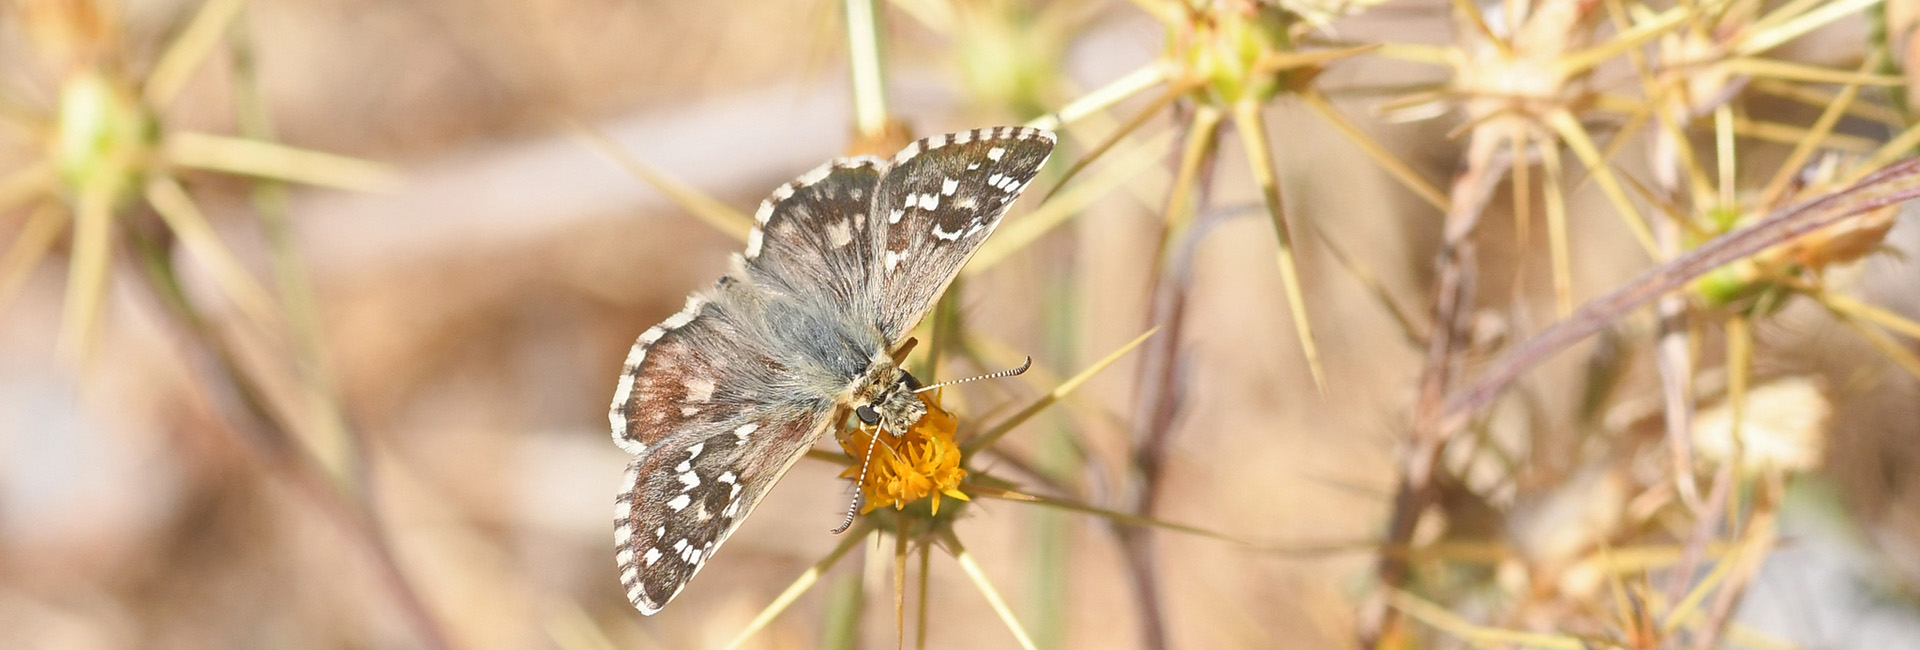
column 852, row 508
column 993, row 375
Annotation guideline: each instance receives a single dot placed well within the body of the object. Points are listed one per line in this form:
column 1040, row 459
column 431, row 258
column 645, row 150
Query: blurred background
column 310, row 311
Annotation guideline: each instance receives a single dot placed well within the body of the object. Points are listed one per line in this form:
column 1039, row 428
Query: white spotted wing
column 941, row 197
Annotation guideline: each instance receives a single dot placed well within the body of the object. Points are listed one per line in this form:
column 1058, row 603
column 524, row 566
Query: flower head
column 922, row 462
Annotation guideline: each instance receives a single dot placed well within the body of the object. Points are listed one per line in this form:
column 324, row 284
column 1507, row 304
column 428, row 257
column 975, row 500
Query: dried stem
column 926, row 569
column 246, row 407
column 800, row 586
column 1248, row 121
column 1673, row 345
column 1161, row 395
column 335, row 444
column 901, row 535
column 987, row 590
column 1454, row 268
column 1888, row 186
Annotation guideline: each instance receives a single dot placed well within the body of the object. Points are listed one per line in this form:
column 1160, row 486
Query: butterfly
column 717, row 402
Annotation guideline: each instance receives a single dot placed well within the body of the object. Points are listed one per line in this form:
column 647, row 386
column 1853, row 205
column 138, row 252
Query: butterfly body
column 885, row 397
column 719, row 400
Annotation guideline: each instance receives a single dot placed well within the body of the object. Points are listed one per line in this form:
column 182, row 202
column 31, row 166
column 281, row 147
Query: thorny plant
column 1728, row 247
column 107, row 178
column 1704, row 56
column 1525, row 84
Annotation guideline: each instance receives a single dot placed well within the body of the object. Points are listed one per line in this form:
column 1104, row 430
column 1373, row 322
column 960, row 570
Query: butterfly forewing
column 722, row 398
column 940, row 198
column 813, row 234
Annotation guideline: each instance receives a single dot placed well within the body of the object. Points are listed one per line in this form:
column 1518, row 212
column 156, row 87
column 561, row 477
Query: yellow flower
column 923, row 462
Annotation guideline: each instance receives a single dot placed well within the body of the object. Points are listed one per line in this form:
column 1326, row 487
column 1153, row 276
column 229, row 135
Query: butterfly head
column 884, row 398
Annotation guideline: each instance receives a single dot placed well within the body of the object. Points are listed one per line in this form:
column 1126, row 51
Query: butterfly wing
column 722, row 398
column 687, row 497
column 814, row 234
column 940, row 197
column 694, row 403
column 808, row 235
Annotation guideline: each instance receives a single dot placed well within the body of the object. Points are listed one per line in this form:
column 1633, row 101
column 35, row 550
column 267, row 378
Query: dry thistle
column 1780, row 427
column 1761, row 282
column 105, row 149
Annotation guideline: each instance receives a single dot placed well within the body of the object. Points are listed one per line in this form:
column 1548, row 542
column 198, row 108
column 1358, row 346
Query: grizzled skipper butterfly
column 718, row 401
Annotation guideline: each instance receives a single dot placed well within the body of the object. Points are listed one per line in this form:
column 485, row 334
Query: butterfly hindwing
column 686, row 372
column 698, row 403
column 685, row 497
column 939, row 198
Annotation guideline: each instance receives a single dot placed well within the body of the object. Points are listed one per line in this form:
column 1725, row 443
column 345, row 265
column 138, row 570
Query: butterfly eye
column 867, row 415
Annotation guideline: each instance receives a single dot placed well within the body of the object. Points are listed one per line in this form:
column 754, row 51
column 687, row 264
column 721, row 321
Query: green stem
column 846, row 597
column 865, row 40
